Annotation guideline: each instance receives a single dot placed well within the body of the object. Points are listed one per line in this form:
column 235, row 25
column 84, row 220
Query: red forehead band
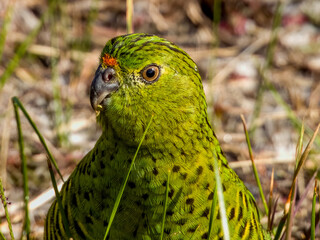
column 108, row 60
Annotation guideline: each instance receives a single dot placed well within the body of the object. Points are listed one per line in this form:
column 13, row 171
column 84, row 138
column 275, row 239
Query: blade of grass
column 298, row 166
column 280, row 228
column 194, row 234
column 317, row 218
column 222, row 208
column 274, row 209
column 14, row 62
column 58, row 197
column 17, row 102
column 270, row 202
column 304, row 195
column 213, row 208
column 165, row 207
column 313, row 212
column 270, row 52
column 301, row 160
column 5, row 25
column 26, row 225
column 1, row 236
column 129, row 16
column 290, row 203
column 256, row 175
column 289, row 207
column 57, row 18
column 118, row 199
column 297, row 123
column 4, row 142
column 4, row 203
column 306, row 151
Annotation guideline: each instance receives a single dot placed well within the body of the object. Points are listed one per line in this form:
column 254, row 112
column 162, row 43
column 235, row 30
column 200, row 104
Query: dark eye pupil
column 150, row 72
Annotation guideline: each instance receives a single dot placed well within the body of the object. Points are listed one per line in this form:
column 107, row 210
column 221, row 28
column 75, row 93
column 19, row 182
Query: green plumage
column 180, row 140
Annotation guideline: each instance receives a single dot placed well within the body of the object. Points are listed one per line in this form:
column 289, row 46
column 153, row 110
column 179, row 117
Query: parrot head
column 143, row 75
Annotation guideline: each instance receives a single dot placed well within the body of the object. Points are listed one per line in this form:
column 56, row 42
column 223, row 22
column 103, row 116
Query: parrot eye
column 151, row 73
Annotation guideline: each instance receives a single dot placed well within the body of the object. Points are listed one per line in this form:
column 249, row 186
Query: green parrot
column 142, row 77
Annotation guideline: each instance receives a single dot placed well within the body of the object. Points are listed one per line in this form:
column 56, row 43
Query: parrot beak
column 104, row 83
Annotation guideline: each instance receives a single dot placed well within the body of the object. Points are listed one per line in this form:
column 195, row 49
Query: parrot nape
column 140, row 76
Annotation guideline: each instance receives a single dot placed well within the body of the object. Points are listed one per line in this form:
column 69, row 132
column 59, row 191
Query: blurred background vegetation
column 49, row 52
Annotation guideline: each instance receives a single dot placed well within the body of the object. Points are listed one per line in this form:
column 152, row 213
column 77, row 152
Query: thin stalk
column 270, row 52
column 17, row 102
column 222, row 207
column 93, row 13
column 5, row 26
column 306, row 151
column 280, row 228
column 26, row 225
column 291, row 198
column 56, row 29
column 59, row 200
column 1, row 236
column 194, row 234
column 14, row 62
column 212, row 212
column 165, row 206
column 270, row 215
column 289, row 207
column 129, row 16
column 313, row 212
column 301, row 160
column 297, row 123
column 4, row 203
column 117, row 202
column 256, row 175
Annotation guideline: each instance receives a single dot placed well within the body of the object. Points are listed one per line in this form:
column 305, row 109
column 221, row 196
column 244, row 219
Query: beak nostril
column 108, row 74
column 104, row 83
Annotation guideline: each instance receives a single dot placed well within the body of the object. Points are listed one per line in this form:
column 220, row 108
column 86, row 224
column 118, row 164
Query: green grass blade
column 165, row 206
column 57, row 18
column 61, row 209
column 292, row 194
column 17, row 102
column 313, row 212
column 270, row 214
column 14, row 62
column 5, row 25
column 256, row 175
column 270, row 52
column 26, row 225
column 4, row 203
column 1, row 236
column 301, row 160
column 213, row 207
column 297, row 123
column 280, row 227
column 273, row 213
column 275, row 28
column 194, row 234
column 291, row 204
column 306, row 151
column 129, row 16
column 93, row 14
column 117, row 202
column 219, row 193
